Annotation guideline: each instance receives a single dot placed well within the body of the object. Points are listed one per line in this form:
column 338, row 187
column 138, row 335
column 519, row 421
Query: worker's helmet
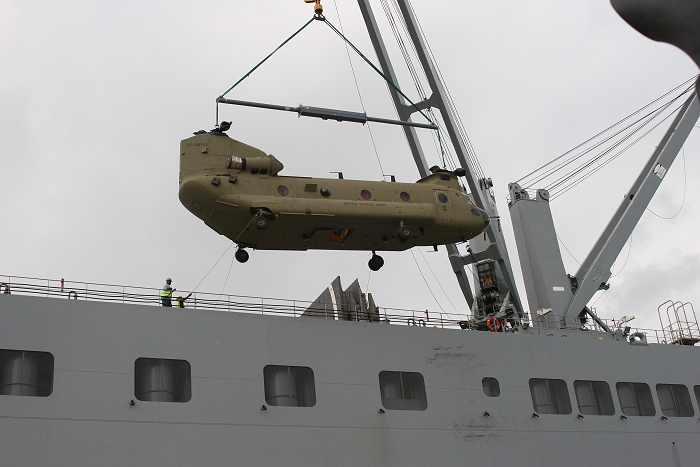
column 168, row 280
column 179, row 297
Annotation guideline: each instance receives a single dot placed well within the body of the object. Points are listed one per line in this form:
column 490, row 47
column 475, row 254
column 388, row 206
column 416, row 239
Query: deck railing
column 74, row 290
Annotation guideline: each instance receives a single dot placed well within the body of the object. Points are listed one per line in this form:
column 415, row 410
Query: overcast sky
column 96, row 96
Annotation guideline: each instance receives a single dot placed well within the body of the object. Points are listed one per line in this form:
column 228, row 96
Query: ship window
column 594, row 398
column 366, row 194
column 674, row 400
column 162, row 380
column 291, row 386
column 635, row 399
column 26, row 373
column 697, row 394
column 405, row 196
column 325, row 192
column 283, row 190
column 401, row 390
column 491, row 387
column 550, row 396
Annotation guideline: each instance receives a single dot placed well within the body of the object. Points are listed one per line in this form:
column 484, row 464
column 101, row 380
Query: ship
column 98, row 374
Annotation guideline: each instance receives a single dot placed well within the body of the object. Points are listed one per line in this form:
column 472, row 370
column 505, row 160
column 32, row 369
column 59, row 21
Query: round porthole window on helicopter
column 442, row 198
column 366, row 194
column 405, row 196
column 283, row 190
column 325, row 192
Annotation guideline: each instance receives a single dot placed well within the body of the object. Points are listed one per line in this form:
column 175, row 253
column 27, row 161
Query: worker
column 166, row 293
column 180, row 302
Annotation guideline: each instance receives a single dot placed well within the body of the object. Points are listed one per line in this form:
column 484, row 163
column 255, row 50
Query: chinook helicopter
column 236, row 190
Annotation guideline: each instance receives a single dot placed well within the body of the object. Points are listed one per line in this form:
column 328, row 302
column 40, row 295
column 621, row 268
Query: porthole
column 405, row 196
column 283, row 190
column 325, row 192
column 442, row 197
column 366, row 194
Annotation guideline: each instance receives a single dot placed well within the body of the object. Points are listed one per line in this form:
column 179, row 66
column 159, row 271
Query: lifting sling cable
column 386, row 78
column 261, row 62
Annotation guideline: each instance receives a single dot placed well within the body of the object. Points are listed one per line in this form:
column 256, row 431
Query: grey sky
column 95, row 97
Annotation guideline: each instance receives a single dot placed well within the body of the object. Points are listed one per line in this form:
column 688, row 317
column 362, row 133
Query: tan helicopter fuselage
column 230, row 186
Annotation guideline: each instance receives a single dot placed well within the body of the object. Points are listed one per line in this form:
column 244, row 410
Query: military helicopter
column 236, row 190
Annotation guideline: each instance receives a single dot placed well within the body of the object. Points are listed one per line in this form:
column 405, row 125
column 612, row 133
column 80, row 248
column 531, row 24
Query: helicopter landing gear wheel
column 404, row 233
column 260, row 222
column 375, row 262
column 242, row 255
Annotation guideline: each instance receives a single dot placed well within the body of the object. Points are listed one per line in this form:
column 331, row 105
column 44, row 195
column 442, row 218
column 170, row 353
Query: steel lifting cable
column 615, row 156
column 359, row 95
column 471, row 153
column 645, row 120
column 442, row 150
column 540, row 173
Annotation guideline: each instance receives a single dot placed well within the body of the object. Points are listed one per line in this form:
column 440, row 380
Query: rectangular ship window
column 594, row 398
column 697, row 394
column 26, row 373
column 491, row 387
column 674, row 400
column 550, row 396
column 635, row 399
column 290, row 386
column 162, row 380
column 402, row 390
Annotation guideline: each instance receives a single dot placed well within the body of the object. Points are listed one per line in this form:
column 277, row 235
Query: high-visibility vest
column 166, row 293
column 179, row 304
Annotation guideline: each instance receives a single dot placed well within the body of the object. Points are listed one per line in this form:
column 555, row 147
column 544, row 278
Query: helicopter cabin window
column 310, row 187
column 594, row 398
column 162, row 380
column 283, row 190
column 401, row 390
column 254, row 170
column 550, row 396
column 366, row 194
column 491, row 387
column 405, row 196
column 674, row 400
column 635, row 399
column 326, row 192
column 442, row 198
column 290, row 386
column 26, row 373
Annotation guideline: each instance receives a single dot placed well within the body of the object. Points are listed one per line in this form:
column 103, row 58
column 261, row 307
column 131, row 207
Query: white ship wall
column 88, row 419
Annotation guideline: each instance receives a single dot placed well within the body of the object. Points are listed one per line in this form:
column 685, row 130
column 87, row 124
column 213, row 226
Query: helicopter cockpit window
column 283, row 190
column 325, row 192
column 442, row 198
column 366, row 194
column 405, row 196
